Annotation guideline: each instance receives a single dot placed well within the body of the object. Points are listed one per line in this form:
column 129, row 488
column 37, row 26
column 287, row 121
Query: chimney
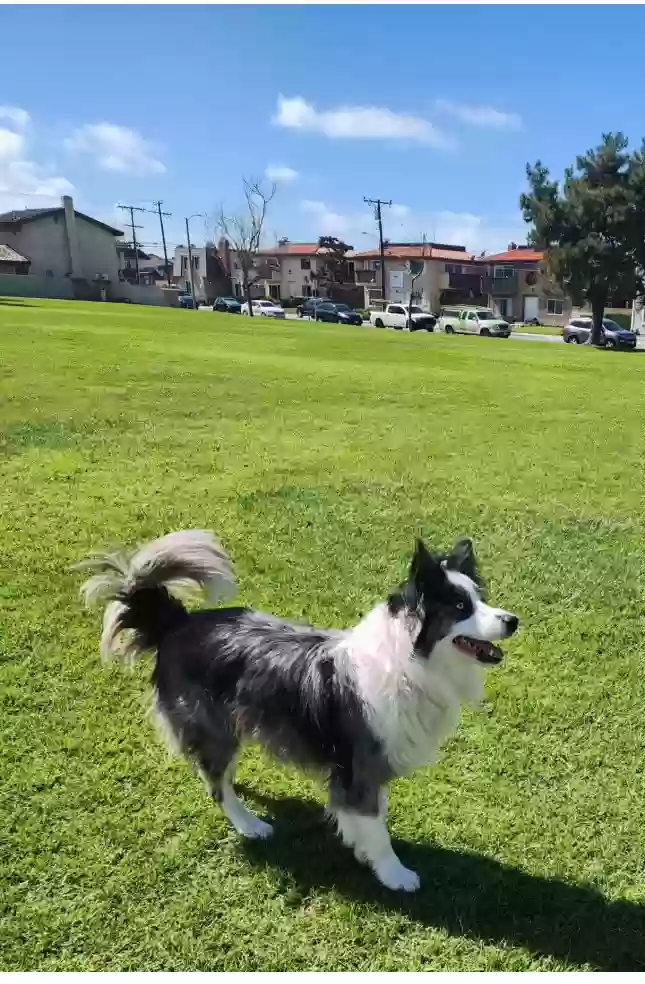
column 224, row 250
column 73, row 247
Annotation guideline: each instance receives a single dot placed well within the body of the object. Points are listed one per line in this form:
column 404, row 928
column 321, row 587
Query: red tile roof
column 516, row 256
column 415, row 252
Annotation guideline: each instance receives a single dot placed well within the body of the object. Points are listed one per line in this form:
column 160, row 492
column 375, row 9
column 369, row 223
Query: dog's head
column 444, row 598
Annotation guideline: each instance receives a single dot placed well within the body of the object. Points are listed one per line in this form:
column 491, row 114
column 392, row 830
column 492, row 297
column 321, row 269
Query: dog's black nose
column 511, row 622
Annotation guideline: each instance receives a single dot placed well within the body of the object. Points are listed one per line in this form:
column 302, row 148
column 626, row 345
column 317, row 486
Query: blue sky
column 437, row 108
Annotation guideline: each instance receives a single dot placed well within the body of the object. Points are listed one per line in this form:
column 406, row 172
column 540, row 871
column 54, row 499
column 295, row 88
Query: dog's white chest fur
column 412, row 704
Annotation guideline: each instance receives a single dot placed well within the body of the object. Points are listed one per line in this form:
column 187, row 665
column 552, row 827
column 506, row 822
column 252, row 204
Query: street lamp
column 190, row 256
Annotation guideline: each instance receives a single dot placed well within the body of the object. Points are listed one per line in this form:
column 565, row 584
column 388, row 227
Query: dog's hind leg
column 245, row 822
column 207, row 737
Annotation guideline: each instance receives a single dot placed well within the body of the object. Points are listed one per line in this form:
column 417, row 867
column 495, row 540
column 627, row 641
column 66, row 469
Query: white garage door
column 531, row 308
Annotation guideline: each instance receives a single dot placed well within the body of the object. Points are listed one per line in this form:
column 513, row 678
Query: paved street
column 515, row 336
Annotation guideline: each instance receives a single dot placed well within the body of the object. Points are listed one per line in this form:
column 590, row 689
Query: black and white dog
column 359, row 706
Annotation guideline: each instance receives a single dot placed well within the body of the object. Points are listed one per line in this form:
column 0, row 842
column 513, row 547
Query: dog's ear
column 421, row 558
column 462, row 558
column 425, row 565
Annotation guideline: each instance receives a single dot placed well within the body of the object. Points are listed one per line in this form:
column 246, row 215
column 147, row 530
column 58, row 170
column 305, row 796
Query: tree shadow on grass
column 464, row 894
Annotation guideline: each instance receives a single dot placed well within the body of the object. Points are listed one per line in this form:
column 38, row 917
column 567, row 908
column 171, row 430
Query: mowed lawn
column 318, row 453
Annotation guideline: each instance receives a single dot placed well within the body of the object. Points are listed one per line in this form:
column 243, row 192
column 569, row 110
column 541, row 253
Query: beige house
column 518, row 289
column 60, row 242
column 285, row 270
column 512, row 283
column 449, row 275
column 210, row 276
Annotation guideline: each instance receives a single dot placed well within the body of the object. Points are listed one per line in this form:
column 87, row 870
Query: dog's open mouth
column 483, row 652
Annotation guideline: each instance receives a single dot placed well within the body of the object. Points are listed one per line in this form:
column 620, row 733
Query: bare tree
column 244, row 230
column 415, row 268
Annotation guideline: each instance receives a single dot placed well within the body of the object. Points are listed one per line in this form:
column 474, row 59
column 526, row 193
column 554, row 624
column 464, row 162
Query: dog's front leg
column 369, row 837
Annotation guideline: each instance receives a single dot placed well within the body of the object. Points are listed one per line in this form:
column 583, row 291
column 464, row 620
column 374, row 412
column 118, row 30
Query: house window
column 49, row 273
column 196, row 262
column 554, row 306
column 454, row 268
column 503, row 272
column 305, row 264
column 184, row 264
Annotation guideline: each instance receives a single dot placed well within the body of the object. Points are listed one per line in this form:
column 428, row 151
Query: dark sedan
column 613, row 336
column 230, row 305
column 308, row 308
column 337, row 313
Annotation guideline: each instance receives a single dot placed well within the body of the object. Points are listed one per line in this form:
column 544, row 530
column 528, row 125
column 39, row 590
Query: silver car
column 578, row 332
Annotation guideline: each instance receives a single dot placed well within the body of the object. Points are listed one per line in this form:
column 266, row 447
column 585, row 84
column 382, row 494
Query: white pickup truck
column 396, row 316
column 473, row 321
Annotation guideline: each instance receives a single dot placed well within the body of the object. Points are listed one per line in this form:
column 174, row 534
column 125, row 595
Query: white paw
column 393, row 875
column 255, row 829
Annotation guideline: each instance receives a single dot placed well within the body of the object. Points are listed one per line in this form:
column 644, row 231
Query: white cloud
column 326, row 221
column 483, row 116
column 19, row 117
column 401, row 224
column 116, row 148
column 23, row 182
column 357, row 123
column 11, row 144
column 281, row 174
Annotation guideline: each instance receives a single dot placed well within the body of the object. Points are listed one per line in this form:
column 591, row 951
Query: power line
column 377, row 203
column 135, row 245
column 161, row 214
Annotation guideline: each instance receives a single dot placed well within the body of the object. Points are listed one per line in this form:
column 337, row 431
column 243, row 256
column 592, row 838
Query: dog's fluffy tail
column 141, row 588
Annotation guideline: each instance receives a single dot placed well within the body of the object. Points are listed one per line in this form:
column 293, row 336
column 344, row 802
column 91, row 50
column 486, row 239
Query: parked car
column 396, row 316
column 308, row 308
column 337, row 314
column 473, row 321
column 187, row 301
column 229, row 304
column 578, row 332
column 264, row 309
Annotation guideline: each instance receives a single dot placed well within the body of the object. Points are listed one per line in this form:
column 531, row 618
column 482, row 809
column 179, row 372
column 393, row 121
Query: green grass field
column 318, row 453
column 537, row 329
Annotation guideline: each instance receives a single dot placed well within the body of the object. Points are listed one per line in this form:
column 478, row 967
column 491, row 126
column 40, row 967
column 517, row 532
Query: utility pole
column 378, row 204
column 190, row 257
column 161, row 214
column 135, row 245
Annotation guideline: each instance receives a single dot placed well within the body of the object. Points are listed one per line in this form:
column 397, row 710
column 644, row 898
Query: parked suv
column 578, row 332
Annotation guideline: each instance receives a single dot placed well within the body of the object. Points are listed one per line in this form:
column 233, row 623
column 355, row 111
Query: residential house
column 448, row 275
column 152, row 269
column 284, row 270
column 518, row 288
column 12, row 262
column 60, row 242
column 210, row 275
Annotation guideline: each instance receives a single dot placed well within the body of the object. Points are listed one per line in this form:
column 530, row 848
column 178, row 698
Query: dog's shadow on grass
column 464, row 894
